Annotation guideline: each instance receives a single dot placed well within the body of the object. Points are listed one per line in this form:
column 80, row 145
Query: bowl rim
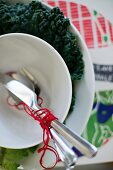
column 91, row 72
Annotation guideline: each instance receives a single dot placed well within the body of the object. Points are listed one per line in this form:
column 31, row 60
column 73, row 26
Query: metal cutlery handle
column 80, row 143
column 29, row 97
column 76, row 140
column 66, row 154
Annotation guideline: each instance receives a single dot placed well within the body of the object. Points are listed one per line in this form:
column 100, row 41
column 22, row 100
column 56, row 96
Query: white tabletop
column 103, row 6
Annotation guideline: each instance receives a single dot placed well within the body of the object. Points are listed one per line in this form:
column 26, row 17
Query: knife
column 29, row 97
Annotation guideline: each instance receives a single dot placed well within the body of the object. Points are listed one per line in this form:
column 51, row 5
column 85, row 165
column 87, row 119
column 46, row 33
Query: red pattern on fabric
column 52, row 3
column 79, row 13
column 99, row 38
column 74, row 10
column 111, row 31
column 101, row 20
column 88, row 33
column 77, row 24
column 85, row 11
column 63, row 7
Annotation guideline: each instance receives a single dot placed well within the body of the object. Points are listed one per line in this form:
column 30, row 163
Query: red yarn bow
column 44, row 117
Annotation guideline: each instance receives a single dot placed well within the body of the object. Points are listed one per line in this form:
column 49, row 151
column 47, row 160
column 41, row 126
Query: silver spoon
column 66, row 154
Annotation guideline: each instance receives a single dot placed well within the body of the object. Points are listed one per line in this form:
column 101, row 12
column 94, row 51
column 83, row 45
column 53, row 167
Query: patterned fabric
column 98, row 34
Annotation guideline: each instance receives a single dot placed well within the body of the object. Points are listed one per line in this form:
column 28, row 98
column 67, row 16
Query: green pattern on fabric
column 96, row 132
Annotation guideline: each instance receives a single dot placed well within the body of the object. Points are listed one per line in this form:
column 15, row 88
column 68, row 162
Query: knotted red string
column 44, row 116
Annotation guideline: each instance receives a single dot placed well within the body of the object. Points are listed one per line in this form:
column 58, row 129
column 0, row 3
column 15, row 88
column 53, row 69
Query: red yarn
column 44, row 117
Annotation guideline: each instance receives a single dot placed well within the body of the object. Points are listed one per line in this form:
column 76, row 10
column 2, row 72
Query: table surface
column 107, row 166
